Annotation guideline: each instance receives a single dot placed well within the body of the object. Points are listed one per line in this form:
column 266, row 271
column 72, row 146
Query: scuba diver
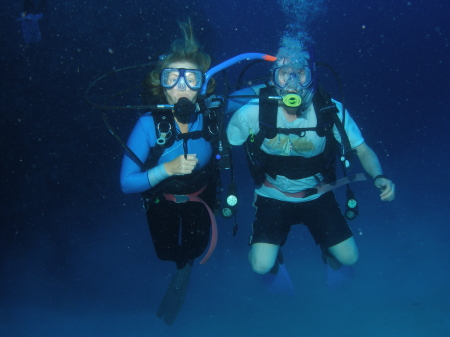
column 174, row 155
column 32, row 12
column 292, row 142
column 179, row 179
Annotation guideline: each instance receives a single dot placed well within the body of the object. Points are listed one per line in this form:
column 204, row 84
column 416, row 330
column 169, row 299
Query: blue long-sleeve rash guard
column 142, row 138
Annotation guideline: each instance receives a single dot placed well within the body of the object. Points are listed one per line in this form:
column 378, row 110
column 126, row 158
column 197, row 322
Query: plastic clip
column 164, row 136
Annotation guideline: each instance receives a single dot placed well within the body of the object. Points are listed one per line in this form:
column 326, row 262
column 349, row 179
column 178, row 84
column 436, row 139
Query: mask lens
column 305, row 77
column 194, row 78
column 170, row 77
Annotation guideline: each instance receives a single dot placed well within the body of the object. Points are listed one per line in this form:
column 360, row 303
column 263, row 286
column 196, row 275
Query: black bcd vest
column 190, row 183
column 295, row 167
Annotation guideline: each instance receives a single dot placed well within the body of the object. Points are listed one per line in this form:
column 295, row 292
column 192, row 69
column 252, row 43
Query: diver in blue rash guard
column 171, row 162
column 180, row 176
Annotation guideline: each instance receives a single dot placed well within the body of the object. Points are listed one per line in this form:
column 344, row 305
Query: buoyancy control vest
column 189, row 183
column 295, row 167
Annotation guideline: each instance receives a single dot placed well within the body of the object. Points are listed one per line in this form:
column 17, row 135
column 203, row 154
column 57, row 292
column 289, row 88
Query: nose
column 292, row 80
column 181, row 85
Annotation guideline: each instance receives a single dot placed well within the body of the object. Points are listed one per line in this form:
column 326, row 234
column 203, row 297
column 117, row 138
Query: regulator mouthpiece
column 292, row 100
column 185, row 111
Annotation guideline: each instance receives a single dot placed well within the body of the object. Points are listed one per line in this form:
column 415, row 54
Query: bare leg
column 262, row 257
column 345, row 253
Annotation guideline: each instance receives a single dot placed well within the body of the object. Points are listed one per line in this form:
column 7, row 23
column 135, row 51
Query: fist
column 181, row 165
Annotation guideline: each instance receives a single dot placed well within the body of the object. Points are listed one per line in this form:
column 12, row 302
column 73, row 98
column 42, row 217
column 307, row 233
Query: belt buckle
column 180, row 198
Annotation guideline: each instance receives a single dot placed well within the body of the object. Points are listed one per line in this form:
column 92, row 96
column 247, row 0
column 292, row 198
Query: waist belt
column 194, row 197
column 321, row 189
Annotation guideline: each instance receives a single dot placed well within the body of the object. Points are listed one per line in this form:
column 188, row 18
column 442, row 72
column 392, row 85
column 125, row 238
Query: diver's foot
column 329, row 259
column 337, row 278
column 275, row 268
column 175, row 295
column 334, row 263
column 181, row 275
column 278, row 261
column 277, row 280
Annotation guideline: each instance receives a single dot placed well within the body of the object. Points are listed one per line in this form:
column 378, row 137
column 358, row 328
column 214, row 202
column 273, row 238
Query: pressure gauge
column 351, row 203
column 227, row 212
column 232, row 200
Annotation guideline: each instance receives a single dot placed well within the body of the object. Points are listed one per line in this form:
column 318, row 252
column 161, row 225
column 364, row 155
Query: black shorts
column 322, row 216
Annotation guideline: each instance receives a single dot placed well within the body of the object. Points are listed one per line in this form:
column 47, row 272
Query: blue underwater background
column 76, row 254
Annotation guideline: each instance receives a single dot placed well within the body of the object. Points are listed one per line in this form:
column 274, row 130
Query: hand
column 387, row 189
column 181, row 165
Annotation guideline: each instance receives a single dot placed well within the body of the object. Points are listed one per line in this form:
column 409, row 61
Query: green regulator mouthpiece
column 292, row 100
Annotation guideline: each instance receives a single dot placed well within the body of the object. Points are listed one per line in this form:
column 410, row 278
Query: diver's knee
column 348, row 258
column 262, row 257
column 345, row 252
column 261, row 267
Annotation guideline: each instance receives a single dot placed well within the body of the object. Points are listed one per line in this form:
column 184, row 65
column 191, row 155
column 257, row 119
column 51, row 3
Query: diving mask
column 290, row 78
column 170, row 77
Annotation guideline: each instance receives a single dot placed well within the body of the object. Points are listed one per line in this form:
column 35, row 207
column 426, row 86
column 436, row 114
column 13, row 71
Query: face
column 181, row 89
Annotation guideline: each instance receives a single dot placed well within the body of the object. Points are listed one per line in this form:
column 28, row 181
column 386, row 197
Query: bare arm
column 371, row 164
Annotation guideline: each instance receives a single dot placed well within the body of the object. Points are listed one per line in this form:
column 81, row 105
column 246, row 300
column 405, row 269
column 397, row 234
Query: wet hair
column 185, row 49
column 293, row 52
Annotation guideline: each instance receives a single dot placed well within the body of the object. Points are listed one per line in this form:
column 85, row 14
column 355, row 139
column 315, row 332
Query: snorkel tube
column 307, row 99
column 230, row 62
column 313, row 65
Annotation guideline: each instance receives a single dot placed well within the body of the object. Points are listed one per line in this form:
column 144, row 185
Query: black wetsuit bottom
column 180, row 231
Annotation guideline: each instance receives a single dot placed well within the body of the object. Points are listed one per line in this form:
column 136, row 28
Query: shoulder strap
column 267, row 115
column 165, row 122
column 326, row 112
